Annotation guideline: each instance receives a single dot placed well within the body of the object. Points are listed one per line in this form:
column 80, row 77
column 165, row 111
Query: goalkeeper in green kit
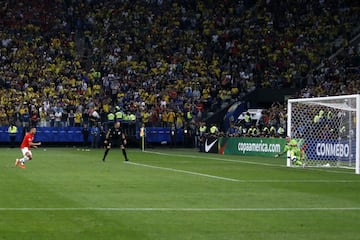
column 293, row 151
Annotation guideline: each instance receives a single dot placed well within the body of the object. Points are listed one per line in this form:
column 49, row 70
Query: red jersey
column 29, row 137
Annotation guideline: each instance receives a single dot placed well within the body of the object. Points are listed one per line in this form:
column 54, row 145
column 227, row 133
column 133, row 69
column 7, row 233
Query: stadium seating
column 146, row 57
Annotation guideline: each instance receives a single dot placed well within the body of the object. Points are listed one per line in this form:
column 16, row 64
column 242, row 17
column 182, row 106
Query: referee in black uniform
column 115, row 137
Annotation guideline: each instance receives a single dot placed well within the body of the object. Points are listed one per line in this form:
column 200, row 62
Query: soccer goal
column 327, row 130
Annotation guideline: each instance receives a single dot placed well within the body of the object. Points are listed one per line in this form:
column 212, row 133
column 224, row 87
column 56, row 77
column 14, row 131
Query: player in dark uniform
column 115, row 137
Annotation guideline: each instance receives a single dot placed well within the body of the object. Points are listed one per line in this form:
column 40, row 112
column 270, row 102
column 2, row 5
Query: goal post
column 327, row 130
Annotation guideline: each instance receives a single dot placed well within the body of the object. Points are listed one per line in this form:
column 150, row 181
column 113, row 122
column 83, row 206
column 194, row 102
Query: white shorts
column 25, row 150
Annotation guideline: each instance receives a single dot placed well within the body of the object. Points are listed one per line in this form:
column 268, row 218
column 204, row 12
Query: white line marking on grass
column 184, row 171
column 247, row 181
column 184, row 209
column 248, row 162
column 298, row 181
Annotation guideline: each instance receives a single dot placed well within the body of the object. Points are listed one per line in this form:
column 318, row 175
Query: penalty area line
column 248, row 162
column 184, row 209
column 184, row 171
column 290, row 181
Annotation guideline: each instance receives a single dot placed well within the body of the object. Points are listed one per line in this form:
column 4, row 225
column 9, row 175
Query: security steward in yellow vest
column 253, row 131
column 202, row 129
column 213, row 129
column 110, row 119
column 12, row 130
column 265, row 131
column 119, row 115
column 188, row 116
column 281, row 131
column 132, row 121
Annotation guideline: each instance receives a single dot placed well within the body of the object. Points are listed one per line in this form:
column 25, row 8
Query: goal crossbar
column 341, row 106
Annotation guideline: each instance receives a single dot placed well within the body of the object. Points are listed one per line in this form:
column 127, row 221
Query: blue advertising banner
column 47, row 134
column 329, row 149
column 74, row 134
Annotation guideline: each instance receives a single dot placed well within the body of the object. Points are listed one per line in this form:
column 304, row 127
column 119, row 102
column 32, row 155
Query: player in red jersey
column 25, row 146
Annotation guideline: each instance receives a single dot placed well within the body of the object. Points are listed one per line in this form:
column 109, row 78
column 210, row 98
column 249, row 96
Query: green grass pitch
column 67, row 193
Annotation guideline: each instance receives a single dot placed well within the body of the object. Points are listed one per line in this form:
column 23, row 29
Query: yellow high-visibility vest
column 132, row 117
column 188, row 115
column 316, row 118
column 111, row 117
column 119, row 115
column 12, row 130
column 213, row 129
column 202, row 129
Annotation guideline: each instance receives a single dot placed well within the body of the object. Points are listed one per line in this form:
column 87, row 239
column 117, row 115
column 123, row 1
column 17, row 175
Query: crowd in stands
column 271, row 123
column 338, row 76
column 164, row 62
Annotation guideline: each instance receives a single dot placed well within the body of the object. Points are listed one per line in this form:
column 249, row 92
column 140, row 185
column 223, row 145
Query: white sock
column 24, row 159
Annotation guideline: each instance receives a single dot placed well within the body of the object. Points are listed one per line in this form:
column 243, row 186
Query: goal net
column 327, row 130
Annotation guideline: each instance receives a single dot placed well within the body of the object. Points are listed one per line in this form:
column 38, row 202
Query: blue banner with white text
column 74, row 134
column 47, row 134
column 330, row 149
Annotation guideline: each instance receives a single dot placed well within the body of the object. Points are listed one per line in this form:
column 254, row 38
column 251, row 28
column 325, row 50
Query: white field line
column 248, row 162
column 184, row 171
column 219, row 159
column 184, row 209
column 246, row 181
